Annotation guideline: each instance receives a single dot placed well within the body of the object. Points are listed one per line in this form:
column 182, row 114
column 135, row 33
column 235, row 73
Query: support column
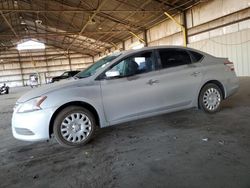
column 47, row 67
column 145, row 37
column 181, row 25
column 137, row 36
column 21, row 68
column 69, row 61
column 123, row 45
column 184, row 21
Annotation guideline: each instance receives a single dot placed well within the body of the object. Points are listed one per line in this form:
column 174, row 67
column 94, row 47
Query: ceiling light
column 100, row 28
column 39, row 22
column 23, row 22
column 15, row 4
column 30, row 45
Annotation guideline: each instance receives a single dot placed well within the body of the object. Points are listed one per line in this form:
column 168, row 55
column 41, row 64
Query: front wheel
column 74, row 126
column 210, row 98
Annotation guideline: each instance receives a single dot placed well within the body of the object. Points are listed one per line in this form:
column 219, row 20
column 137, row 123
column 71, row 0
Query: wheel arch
column 216, row 82
column 74, row 103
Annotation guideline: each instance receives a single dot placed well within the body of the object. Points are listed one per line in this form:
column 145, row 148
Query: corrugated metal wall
column 15, row 67
column 218, row 27
column 235, row 46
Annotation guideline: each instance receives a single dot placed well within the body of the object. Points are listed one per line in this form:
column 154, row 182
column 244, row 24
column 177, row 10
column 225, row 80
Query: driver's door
column 130, row 93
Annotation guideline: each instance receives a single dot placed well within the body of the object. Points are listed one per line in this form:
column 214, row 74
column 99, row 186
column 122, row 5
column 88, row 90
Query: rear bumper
column 232, row 86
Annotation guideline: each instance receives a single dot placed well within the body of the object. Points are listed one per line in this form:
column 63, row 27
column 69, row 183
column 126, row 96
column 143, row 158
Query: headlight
column 31, row 105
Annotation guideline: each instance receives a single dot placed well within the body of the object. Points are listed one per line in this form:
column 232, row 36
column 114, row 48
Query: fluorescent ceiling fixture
column 30, row 45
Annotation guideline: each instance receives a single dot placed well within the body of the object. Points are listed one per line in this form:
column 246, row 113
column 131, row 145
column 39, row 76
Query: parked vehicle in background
column 65, row 75
column 123, row 87
column 33, row 80
column 4, row 89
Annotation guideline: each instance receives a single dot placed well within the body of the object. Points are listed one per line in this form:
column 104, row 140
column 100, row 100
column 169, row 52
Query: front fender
column 90, row 95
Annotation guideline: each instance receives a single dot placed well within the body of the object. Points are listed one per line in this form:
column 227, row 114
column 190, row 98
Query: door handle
column 195, row 74
column 151, row 82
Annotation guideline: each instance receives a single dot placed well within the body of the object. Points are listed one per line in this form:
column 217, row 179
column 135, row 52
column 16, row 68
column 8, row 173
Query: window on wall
column 137, row 64
column 174, row 57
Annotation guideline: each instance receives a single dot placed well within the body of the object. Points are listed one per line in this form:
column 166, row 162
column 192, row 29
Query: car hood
column 45, row 89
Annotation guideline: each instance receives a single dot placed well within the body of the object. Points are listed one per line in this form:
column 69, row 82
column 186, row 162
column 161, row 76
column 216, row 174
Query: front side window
column 96, row 66
column 138, row 64
column 174, row 57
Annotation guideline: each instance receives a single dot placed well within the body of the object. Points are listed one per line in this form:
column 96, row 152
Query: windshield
column 99, row 64
column 65, row 74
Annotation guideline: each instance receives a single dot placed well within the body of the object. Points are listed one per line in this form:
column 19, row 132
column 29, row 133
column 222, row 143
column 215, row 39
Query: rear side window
column 174, row 57
column 196, row 57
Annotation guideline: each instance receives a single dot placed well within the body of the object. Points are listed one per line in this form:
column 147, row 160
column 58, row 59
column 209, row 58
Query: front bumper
column 32, row 126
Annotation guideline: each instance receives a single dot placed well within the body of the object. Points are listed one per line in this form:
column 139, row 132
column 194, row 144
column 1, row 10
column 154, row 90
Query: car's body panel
column 87, row 93
column 37, row 122
column 128, row 98
column 214, row 69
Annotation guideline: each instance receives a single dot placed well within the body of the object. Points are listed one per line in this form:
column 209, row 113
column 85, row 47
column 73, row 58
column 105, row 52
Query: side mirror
column 112, row 73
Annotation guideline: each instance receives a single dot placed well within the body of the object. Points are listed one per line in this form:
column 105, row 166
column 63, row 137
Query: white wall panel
column 214, row 9
column 176, row 39
column 53, row 64
column 235, row 46
column 163, row 29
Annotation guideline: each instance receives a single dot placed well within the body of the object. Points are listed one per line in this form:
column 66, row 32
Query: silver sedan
column 123, row 87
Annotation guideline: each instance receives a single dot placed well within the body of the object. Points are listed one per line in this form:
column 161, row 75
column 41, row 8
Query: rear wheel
column 210, row 98
column 74, row 126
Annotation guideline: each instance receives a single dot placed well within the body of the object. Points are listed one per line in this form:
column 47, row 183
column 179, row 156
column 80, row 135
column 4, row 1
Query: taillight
column 229, row 64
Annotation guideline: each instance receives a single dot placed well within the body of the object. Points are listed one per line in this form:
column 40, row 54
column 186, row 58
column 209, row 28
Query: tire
column 210, row 98
column 74, row 126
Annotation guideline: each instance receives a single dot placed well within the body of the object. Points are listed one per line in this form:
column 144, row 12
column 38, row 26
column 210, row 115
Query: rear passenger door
column 179, row 78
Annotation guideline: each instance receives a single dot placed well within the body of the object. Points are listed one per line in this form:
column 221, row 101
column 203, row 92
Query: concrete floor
column 182, row 149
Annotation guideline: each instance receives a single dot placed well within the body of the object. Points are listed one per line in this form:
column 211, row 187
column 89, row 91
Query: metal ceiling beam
column 182, row 27
column 90, row 18
column 72, row 19
column 125, row 18
column 169, row 5
column 138, row 37
column 100, row 25
column 116, row 20
column 60, row 34
column 76, row 11
column 9, row 24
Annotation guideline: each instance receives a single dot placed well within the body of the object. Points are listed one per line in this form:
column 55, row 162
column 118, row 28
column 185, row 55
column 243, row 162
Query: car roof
column 127, row 52
column 73, row 71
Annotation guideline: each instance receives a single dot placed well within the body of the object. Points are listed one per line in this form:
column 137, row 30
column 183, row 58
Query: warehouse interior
column 76, row 33
column 193, row 151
